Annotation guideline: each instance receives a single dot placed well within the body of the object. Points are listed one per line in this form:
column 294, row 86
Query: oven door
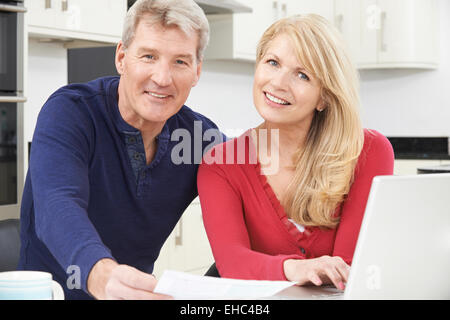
column 9, row 46
column 11, row 155
column 12, row 44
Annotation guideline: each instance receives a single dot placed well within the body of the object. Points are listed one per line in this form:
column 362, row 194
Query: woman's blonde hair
column 324, row 167
column 185, row 14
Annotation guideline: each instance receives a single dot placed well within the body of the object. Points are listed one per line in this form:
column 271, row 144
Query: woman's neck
column 282, row 141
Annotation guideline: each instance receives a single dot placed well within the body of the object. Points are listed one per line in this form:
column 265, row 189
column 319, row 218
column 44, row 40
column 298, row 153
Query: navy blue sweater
column 88, row 192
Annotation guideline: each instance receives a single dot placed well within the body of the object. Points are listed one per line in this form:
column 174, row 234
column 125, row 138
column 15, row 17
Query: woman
column 301, row 221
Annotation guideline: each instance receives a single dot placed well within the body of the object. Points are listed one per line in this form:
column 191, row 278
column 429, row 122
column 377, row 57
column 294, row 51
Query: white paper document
column 185, row 286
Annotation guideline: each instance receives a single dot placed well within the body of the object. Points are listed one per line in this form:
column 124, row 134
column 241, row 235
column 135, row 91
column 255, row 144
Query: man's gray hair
column 185, row 14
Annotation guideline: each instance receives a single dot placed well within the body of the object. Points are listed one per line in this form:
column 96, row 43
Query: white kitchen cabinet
column 187, row 248
column 99, row 20
column 235, row 36
column 379, row 33
column 408, row 33
column 351, row 20
column 390, row 34
column 325, row 8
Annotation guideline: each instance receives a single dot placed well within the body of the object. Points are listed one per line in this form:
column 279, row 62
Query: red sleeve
column 225, row 226
column 376, row 159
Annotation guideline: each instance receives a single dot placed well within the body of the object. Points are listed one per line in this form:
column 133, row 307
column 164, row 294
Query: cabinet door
column 187, row 248
column 41, row 13
column 408, row 31
column 348, row 20
column 370, row 27
column 325, row 8
column 249, row 27
column 192, row 250
column 83, row 16
column 99, row 20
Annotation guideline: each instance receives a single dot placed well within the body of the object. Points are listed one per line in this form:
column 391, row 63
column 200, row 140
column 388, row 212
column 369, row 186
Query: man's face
column 157, row 70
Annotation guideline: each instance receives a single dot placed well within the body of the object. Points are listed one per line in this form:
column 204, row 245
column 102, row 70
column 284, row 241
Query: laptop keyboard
column 331, row 296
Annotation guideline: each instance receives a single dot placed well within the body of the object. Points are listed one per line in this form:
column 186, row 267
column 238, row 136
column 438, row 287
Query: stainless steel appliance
column 11, row 106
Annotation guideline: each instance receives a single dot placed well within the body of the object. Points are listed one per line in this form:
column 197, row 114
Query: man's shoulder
column 187, row 119
column 86, row 90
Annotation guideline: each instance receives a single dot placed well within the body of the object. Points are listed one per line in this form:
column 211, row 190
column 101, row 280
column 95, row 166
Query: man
column 103, row 193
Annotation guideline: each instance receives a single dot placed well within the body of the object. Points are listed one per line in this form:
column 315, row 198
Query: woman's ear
column 323, row 103
column 120, row 54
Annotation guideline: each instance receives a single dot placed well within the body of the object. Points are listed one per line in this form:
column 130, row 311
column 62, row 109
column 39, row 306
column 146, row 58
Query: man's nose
column 162, row 74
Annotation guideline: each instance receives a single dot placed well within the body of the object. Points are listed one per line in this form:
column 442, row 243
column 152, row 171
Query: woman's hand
column 322, row 270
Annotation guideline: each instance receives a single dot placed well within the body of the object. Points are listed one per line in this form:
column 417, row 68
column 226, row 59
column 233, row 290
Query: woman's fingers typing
column 319, row 271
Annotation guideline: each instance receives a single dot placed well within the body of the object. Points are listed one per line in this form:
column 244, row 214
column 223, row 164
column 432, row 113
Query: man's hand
column 112, row 281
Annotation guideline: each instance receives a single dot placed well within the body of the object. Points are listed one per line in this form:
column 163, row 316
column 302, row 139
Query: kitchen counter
column 434, row 169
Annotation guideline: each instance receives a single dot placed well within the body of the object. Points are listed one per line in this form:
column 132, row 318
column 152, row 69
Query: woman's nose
column 280, row 79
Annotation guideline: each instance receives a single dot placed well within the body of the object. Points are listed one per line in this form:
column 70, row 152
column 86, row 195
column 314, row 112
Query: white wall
column 224, row 94
column 46, row 72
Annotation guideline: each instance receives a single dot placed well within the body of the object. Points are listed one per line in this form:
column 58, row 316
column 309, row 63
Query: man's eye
column 148, row 57
column 180, row 62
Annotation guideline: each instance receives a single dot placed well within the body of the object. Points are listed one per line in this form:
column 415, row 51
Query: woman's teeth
column 275, row 99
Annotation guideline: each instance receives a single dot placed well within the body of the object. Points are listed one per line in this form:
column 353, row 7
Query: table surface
column 308, row 292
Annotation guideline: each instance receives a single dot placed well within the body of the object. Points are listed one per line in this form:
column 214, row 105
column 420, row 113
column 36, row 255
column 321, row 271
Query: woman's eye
column 303, row 76
column 272, row 62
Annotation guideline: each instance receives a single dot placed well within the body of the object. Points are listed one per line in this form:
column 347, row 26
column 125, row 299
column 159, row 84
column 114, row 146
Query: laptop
column 403, row 248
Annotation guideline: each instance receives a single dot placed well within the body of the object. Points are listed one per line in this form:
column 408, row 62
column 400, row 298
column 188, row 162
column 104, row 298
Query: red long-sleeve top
column 247, row 227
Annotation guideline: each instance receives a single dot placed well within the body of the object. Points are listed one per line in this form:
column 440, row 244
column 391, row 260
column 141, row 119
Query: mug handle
column 58, row 292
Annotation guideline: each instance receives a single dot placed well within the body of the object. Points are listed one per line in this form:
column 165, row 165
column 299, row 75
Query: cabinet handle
column 48, row 4
column 284, row 10
column 12, row 99
column 383, row 45
column 179, row 234
column 275, row 10
column 64, row 5
column 10, row 8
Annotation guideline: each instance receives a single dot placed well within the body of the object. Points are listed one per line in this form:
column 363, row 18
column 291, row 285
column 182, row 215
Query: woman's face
column 284, row 93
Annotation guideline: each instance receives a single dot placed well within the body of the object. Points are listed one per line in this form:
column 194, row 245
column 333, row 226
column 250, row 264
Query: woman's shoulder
column 377, row 151
column 235, row 151
column 376, row 143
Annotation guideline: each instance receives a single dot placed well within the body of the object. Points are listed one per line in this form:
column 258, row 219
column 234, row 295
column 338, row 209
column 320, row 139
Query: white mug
column 29, row 285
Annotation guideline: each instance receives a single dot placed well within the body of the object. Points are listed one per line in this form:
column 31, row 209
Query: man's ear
column 199, row 71
column 120, row 54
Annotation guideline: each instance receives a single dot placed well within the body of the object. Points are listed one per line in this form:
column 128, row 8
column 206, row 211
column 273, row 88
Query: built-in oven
column 12, row 100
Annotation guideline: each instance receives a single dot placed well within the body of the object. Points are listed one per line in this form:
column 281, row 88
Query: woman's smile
column 275, row 101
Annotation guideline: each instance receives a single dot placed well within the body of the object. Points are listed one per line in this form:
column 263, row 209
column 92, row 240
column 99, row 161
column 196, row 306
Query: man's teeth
column 157, row 95
column 275, row 99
